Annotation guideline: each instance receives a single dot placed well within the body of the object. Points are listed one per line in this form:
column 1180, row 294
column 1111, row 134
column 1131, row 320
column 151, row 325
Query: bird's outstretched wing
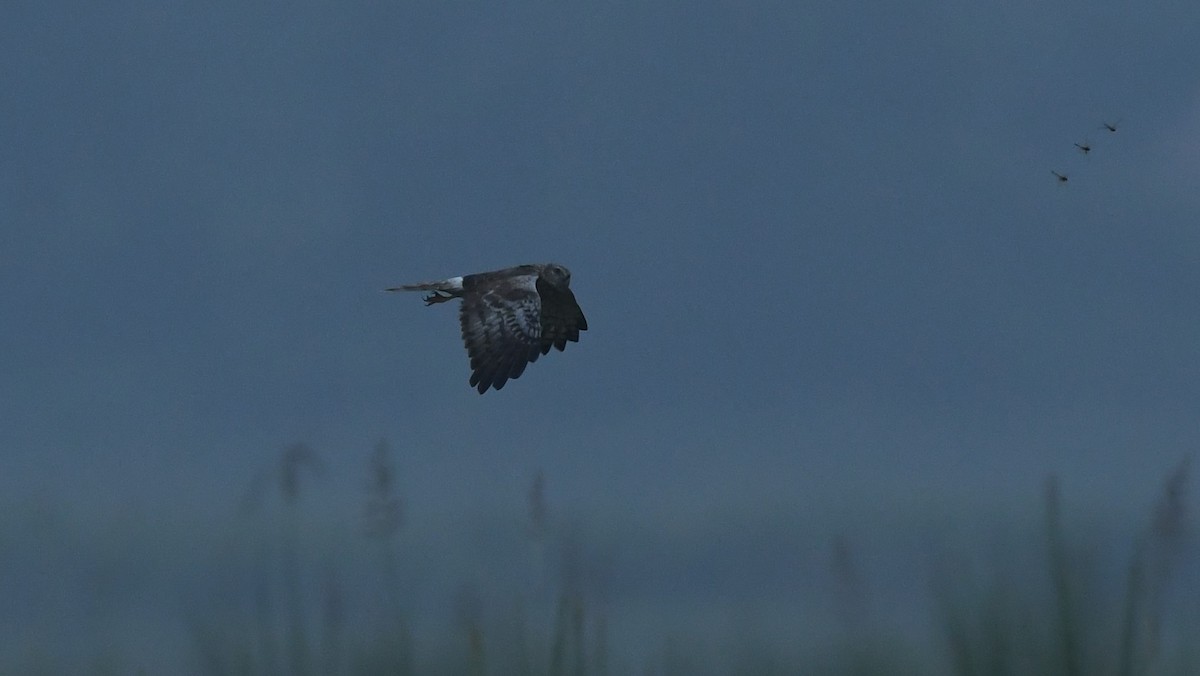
column 502, row 329
column 562, row 319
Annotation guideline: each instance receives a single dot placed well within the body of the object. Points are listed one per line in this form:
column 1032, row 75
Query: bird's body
column 509, row 317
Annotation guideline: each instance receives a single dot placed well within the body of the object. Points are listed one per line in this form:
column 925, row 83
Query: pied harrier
column 509, row 317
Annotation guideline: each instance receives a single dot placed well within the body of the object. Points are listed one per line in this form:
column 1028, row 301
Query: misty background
column 834, row 294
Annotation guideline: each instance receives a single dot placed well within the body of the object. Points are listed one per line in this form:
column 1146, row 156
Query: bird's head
column 556, row 275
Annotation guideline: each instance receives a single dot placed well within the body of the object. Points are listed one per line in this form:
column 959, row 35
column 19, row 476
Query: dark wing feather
column 501, row 330
column 562, row 319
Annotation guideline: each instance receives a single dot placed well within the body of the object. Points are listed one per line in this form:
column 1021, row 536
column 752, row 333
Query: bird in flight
column 1062, row 178
column 509, row 317
column 1084, row 147
column 1111, row 127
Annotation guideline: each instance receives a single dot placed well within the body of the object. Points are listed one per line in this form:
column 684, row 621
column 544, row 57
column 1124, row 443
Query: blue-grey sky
column 813, row 241
column 823, row 259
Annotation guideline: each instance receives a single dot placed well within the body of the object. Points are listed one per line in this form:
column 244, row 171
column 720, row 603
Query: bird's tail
column 443, row 289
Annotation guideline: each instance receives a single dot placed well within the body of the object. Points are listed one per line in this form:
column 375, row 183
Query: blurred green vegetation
column 1044, row 601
